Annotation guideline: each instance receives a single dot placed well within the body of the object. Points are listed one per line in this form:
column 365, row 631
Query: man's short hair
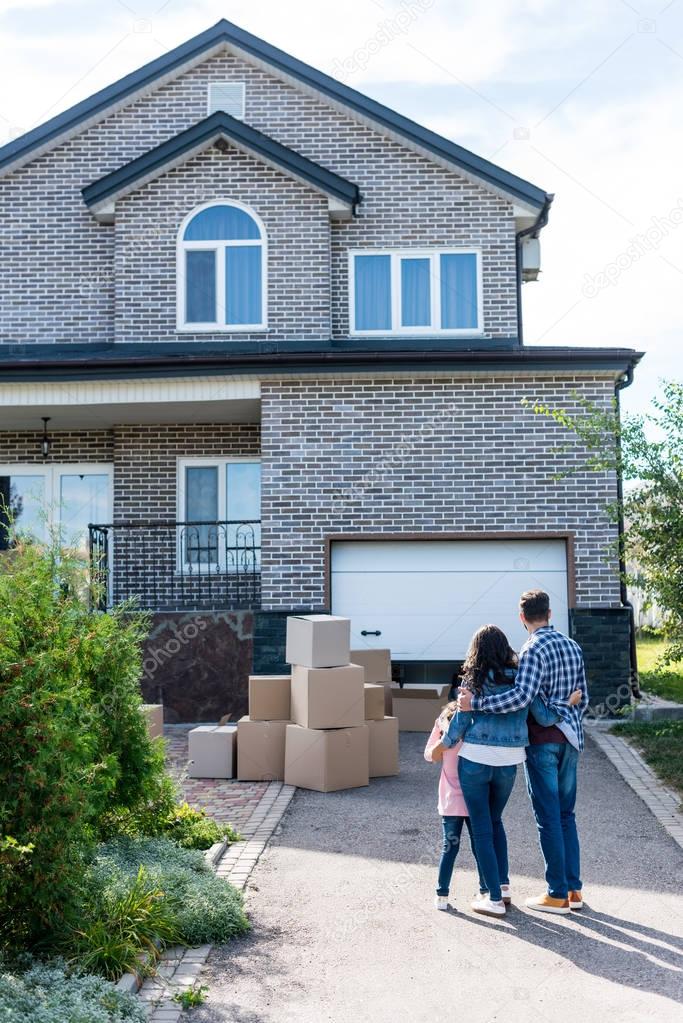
column 535, row 605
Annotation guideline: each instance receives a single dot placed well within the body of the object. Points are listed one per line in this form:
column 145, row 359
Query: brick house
column 261, row 350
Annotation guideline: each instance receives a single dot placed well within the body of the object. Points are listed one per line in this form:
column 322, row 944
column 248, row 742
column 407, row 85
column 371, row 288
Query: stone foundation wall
column 197, row 664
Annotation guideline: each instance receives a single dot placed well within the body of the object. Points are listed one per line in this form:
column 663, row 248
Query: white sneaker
column 488, row 908
column 441, row 902
column 506, row 893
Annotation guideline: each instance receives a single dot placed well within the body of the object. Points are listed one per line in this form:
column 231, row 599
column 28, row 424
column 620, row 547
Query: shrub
column 163, row 815
column 51, row 993
column 72, row 737
column 123, row 924
column 205, row 907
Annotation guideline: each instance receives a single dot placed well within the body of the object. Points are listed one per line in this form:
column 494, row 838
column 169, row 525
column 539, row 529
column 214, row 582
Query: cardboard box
column 328, row 697
column 318, row 641
column 211, row 751
column 374, row 701
column 377, row 664
column 154, row 714
column 383, row 746
column 326, row 761
column 417, row 707
column 261, row 750
column 269, row 698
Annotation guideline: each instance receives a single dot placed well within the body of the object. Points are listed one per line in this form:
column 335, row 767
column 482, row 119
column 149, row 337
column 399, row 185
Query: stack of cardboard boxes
column 326, row 727
column 332, row 742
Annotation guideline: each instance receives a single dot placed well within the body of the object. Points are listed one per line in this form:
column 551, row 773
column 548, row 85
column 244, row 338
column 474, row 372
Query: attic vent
column 228, row 97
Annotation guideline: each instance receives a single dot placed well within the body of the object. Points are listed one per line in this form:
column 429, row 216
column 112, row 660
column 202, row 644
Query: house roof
column 30, row 362
column 102, row 193
column 225, row 34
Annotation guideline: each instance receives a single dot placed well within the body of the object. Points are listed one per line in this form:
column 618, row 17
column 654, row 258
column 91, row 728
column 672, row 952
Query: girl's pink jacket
column 451, row 799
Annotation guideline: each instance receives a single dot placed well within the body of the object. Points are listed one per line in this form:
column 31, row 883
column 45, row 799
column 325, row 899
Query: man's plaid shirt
column 550, row 664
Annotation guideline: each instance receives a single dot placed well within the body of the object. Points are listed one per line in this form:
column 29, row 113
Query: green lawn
column 661, row 744
column 668, row 683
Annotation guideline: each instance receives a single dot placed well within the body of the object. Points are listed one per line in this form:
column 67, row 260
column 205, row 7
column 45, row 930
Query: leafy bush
column 73, row 740
column 51, row 993
column 163, row 815
column 123, row 924
column 205, row 908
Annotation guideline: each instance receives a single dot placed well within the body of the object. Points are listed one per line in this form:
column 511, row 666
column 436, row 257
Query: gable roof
column 344, row 196
column 225, row 34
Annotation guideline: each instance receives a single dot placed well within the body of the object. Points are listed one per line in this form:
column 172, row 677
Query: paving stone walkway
column 223, row 799
column 636, row 772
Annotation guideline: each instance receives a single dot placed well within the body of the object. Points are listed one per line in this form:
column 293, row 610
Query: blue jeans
column 486, row 791
column 452, row 830
column 551, row 781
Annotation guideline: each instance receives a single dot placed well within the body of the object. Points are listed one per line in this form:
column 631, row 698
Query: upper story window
column 415, row 291
column 221, row 269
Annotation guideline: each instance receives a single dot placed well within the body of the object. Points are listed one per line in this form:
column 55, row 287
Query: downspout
column 625, row 381
column 537, row 226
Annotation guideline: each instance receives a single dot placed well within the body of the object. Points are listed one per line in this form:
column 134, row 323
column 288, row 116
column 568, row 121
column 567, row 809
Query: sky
column 582, row 99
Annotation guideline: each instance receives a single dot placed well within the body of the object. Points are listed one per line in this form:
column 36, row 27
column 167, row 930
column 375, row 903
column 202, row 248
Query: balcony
column 176, row 566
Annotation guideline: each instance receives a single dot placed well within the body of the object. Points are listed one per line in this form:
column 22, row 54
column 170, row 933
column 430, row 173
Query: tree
column 648, row 453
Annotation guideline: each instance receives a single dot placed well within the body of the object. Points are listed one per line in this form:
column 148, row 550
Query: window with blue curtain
column 224, row 269
column 372, row 292
column 425, row 291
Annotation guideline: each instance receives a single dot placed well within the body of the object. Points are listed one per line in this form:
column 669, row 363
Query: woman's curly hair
column 489, row 651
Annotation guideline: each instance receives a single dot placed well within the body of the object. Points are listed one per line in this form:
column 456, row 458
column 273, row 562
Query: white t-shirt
column 493, row 756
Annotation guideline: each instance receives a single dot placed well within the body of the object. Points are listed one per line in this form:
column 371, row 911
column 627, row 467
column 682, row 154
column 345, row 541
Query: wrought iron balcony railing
column 176, row 566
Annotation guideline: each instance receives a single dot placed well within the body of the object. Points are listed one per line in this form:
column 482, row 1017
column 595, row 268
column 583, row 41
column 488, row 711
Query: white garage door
column 425, row 598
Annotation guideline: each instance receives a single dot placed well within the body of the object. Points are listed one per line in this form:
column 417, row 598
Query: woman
column 492, row 747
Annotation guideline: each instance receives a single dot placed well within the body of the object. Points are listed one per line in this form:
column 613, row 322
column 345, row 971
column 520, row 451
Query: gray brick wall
column 60, row 266
column 424, row 455
column 68, row 446
column 145, row 459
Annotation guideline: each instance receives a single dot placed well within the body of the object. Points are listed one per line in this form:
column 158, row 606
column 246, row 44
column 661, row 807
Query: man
column 550, row 664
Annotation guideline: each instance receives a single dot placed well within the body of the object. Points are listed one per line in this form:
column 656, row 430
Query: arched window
column 221, row 269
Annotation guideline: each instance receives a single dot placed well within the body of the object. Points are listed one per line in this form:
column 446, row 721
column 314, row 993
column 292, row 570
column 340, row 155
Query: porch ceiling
column 103, row 404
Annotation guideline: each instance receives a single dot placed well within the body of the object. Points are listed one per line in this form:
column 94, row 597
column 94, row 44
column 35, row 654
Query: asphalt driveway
column 344, row 929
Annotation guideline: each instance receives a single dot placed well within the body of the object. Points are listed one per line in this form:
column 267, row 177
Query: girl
column 451, row 808
column 492, row 747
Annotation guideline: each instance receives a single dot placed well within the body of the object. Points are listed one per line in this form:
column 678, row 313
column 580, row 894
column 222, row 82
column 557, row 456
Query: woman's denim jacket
column 506, row 729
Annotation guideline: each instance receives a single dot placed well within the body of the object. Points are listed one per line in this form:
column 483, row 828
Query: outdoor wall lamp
column 46, row 440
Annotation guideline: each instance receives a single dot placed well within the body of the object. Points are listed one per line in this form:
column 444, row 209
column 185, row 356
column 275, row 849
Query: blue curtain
column 372, row 291
column 221, row 223
column 243, row 284
column 200, row 286
column 415, row 293
column 459, row 290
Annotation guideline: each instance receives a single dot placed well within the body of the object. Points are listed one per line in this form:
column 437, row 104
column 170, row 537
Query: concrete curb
column 179, row 968
column 660, row 801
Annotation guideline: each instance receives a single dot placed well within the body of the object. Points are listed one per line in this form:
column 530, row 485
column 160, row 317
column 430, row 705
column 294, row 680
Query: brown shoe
column 575, row 900
column 547, row 904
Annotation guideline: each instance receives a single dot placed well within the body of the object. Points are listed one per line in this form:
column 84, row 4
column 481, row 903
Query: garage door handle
column 364, row 632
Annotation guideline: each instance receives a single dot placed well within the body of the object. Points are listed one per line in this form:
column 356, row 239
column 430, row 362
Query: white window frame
column 213, row 85
column 219, row 247
column 396, row 329
column 53, row 471
column 210, row 462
